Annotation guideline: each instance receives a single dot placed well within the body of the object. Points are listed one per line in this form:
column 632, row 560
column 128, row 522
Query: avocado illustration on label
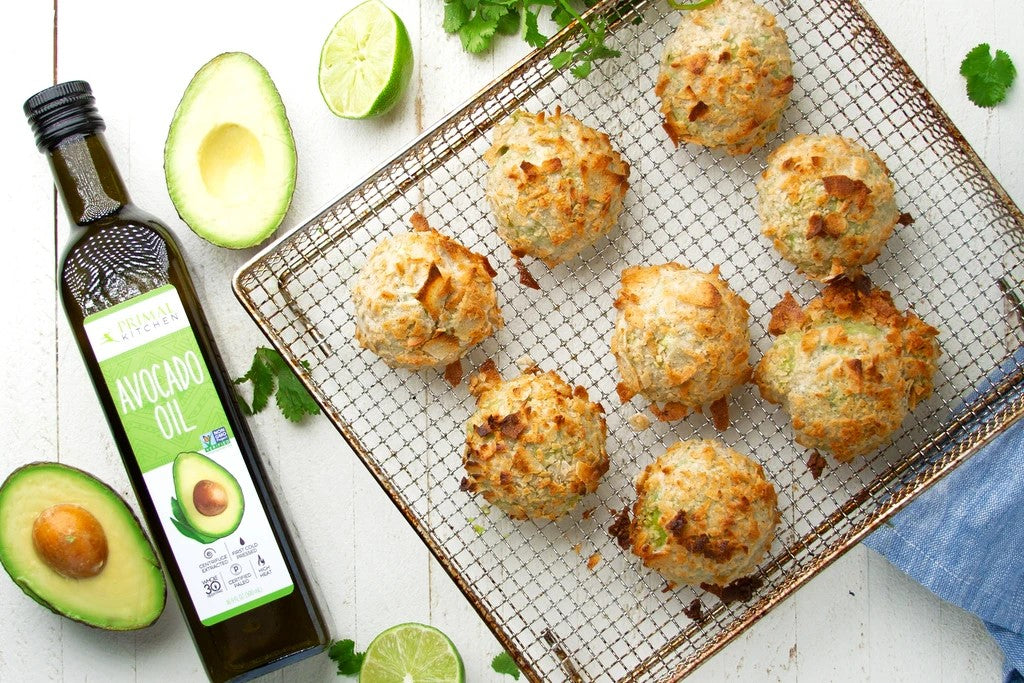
column 74, row 546
column 209, row 503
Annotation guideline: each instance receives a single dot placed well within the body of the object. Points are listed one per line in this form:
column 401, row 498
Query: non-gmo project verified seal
column 215, row 439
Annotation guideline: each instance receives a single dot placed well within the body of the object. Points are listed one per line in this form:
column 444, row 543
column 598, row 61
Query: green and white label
column 193, row 469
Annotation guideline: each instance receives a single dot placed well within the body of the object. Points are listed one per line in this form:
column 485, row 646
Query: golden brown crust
column 848, row 367
column 726, row 76
column 555, row 185
column 827, row 204
column 535, row 445
column 423, row 299
column 704, row 514
column 680, row 340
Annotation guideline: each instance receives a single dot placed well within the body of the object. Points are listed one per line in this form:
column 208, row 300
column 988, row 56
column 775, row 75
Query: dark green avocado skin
column 22, row 583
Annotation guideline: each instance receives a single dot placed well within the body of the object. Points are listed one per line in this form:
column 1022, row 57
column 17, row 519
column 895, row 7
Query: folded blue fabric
column 964, row 538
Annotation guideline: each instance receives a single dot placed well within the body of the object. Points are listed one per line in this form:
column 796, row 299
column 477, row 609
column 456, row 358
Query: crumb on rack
column 620, row 528
column 577, row 548
column 593, row 560
column 816, row 464
column 588, row 513
column 742, row 589
column 525, row 363
column 695, row 611
column 525, row 278
column 640, row 422
column 453, row 373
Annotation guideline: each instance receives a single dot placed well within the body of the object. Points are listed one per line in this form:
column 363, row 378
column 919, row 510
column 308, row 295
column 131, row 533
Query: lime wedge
column 366, row 62
column 412, row 653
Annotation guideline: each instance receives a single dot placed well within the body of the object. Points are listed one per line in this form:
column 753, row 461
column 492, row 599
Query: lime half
column 366, row 62
column 412, row 653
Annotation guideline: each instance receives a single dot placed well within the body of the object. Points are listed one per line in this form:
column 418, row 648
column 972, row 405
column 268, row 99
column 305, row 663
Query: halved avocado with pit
column 208, row 494
column 75, row 547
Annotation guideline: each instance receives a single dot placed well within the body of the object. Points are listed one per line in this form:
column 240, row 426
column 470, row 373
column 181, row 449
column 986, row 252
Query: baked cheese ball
column 680, row 340
column 535, row 446
column 726, row 75
column 704, row 514
column 422, row 299
column 555, row 185
column 827, row 205
column 848, row 367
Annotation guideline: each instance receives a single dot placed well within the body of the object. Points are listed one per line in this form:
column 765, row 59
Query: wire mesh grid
column 536, row 584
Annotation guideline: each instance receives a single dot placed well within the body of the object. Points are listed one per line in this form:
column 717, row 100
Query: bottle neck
column 87, row 178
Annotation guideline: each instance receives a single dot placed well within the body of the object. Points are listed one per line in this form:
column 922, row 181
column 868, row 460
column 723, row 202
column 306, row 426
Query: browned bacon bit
column 783, row 87
column 815, row 226
column 488, row 268
column 465, row 485
column 525, row 278
column 418, row 222
column 698, row 110
column 787, row 314
column 741, row 589
column 696, row 64
column 619, row 529
column 484, row 428
column 720, row 414
column 905, row 219
column 695, row 611
column 856, row 366
column 843, row 187
column 724, row 57
column 552, row 165
column 453, row 373
column 862, row 284
column 677, row 524
column 593, row 560
column 815, row 465
column 511, row 427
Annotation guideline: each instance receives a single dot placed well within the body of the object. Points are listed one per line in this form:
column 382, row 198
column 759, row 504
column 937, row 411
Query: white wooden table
column 860, row 619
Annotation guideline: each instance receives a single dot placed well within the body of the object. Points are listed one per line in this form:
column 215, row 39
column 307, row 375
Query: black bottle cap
column 61, row 111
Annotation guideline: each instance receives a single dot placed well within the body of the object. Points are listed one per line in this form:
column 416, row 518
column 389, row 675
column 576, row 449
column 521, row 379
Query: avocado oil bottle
column 170, row 406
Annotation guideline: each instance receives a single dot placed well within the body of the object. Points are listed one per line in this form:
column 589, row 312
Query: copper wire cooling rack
column 530, row 582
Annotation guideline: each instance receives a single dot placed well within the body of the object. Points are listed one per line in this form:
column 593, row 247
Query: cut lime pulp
column 365, row 62
column 412, row 653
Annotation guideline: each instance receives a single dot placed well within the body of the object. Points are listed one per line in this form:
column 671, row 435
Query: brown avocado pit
column 70, row 540
column 209, row 498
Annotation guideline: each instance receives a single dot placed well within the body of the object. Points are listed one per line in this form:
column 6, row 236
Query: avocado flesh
column 229, row 159
column 128, row 593
column 190, row 469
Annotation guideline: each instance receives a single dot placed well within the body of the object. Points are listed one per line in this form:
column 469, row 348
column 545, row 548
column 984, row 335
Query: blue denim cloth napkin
column 963, row 539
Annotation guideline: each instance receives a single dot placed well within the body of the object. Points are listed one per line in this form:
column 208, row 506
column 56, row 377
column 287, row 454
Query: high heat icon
column 260, row 561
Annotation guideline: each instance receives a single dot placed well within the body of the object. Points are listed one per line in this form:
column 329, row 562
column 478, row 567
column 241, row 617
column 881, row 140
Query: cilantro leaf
column 988, row 79
column 269, row 369
column 504, row 664
column 531, row 32
column 456, row 14
column 477, row 22
column 476, row 34
column 344, row 654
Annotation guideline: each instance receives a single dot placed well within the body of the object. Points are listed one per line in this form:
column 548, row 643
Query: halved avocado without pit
column 229, row 159
column 75, row 547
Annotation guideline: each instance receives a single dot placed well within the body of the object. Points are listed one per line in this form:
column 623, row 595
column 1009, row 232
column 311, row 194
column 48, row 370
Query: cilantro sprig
column 344, row 654
column 269, row 371
column 477, row 22
column 504, row 664
column 988, row 78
